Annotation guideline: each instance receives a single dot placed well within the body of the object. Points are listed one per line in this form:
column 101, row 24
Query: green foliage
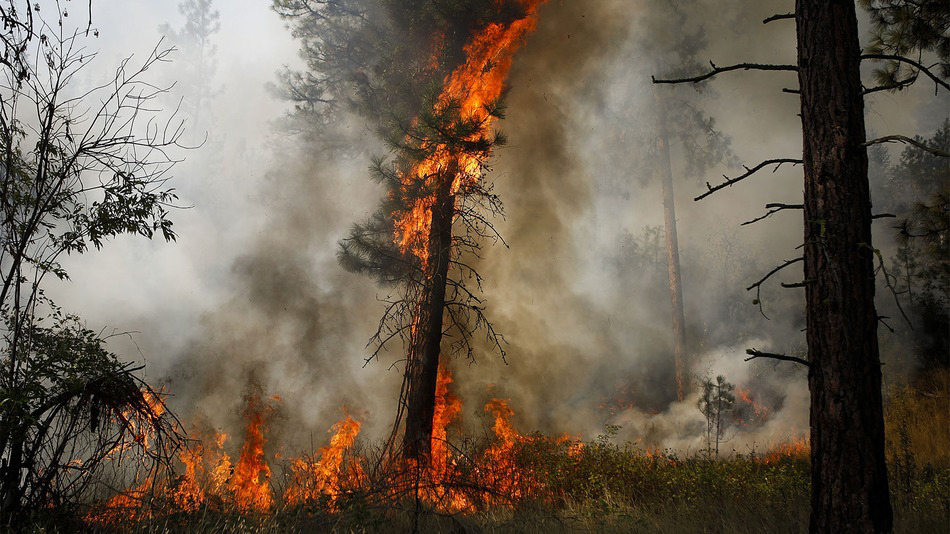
column 908, row 28
column 715, row 403
column 70, row 181
column 918, row 192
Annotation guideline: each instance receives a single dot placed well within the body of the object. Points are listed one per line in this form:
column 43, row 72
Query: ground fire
column 465, row 247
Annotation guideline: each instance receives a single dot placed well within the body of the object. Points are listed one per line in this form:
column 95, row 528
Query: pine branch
column 758, row 285
column 774, row 208
column 779, row 17
column 718, row 70
column 753, row 354
column 749, row 172
column 917, row 65
column 909, row 141
column 896, row 85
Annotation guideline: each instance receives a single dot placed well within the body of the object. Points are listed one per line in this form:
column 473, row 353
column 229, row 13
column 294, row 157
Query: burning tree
column 79, row 166
column 436, row 111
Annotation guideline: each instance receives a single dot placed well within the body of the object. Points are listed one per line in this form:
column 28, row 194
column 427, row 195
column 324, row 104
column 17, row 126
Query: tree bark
column 849, row 473
column 672, row 247
column 427, row 334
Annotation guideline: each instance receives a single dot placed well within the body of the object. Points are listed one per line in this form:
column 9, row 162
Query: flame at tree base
column 504, row 471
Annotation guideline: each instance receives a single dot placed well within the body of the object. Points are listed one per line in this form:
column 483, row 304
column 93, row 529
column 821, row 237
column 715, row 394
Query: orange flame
column 796, row 450
column 476, row 83
column 250, row 483
column 324, row 475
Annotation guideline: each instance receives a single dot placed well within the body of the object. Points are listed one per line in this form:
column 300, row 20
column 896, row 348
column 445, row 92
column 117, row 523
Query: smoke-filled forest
column 475, row 266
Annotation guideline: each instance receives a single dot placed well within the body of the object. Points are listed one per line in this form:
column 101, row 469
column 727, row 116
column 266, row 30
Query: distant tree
column 716, row 402
column 196, row 60
column 78, row 166
column 681, row 127
column 919, row 194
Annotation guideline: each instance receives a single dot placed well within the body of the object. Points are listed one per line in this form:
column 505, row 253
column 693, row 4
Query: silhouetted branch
column 888, row 283
column 753, row 354
column 758, row 285
column 718, row 70
column 782, row 16
column 774, row 208
column 897, row 84
column 909, row 141
column 917, row 65
column 796, row 285
column 775, row 270
column 749, row 172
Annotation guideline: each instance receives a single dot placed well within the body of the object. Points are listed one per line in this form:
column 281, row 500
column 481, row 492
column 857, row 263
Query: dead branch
column 909, row 141
column 775, row 208
column 758, row 285
column 782, row 16
column 896, row 85
column 775, row 270
column 718, row 70
column 753, row 354
column 796, row 285
column 749, row 172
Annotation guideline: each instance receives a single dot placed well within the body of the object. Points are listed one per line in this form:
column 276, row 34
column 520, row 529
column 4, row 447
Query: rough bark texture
column 849, row 473
column 672, row 249
column 427, row 335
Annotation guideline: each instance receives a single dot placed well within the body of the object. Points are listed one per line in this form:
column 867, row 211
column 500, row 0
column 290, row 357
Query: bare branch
column 749, row 172
column 909, row 141
column 779, row 17
column 774, row 208
column 897, row 85
column 775, row 270
column 718, row 70
column 758, row 285
column 753, row 354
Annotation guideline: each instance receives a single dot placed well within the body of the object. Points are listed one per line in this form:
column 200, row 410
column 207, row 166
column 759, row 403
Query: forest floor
column 601, row 486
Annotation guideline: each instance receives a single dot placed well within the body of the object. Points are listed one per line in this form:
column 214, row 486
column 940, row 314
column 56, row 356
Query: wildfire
column 476, row 83
column 324, row 475
column 747, row 403
column 251, row 480
column 796, row 449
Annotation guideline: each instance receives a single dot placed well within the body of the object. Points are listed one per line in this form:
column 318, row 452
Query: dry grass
column 618, row 488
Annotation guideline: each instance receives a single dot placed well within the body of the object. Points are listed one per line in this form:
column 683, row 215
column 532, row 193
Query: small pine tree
column 715, row 403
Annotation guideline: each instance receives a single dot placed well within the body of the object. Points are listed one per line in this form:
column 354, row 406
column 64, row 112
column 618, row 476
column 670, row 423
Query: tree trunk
column 672, row 248
column 427, row 335
column 849, row 473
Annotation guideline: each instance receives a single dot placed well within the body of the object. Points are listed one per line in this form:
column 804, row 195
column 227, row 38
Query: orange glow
column 796, row 450
column 250, row 482
column 746, row 401
column 476, row 83
column 324, row 475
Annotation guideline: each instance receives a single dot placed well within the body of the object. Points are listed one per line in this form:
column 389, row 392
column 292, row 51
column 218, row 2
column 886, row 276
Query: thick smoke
column 252, row 293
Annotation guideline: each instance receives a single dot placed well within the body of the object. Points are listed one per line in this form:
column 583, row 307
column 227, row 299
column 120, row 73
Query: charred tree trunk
column 849, row 473
column 427, row 336
column 672, row 248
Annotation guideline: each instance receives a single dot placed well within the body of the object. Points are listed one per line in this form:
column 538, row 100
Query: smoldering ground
column 253, row 293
